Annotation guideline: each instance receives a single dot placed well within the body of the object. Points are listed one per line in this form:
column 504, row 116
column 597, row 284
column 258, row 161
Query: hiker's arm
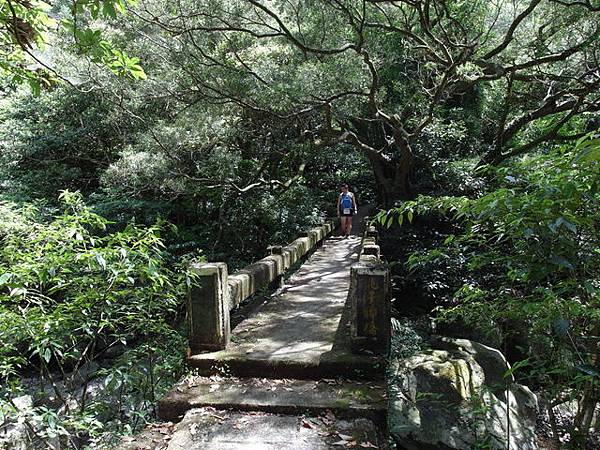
column 354, row 203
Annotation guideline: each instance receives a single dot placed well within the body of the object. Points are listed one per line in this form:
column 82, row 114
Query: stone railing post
column 370, row 306
column 208, row 308
column 277, row 250
column 372, row 233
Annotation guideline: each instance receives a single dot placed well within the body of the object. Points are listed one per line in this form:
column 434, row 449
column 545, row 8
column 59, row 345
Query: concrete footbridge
column 287, row 353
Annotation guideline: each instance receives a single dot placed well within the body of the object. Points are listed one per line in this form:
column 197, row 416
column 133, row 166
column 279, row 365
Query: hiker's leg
column 343, row 225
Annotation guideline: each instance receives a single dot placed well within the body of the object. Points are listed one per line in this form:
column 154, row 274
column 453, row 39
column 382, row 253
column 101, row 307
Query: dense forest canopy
column 138, row 135
column 377, row 74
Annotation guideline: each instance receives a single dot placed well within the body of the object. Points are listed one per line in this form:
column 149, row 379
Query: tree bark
column 392, row 177
column 587, row 406
column 393, row 164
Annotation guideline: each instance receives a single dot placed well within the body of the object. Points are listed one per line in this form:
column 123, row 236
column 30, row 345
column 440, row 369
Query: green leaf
column 47, row 355
column 108, row 9
column 5, row 278
column 516, row 366
column 18, row 291
column 34, row 84
column 561, row 262
column 561, row 327
column 589, row 288
column 570, row 226
column 589, row 151
column 389, row 220
column 588, row 370
column 101, row 261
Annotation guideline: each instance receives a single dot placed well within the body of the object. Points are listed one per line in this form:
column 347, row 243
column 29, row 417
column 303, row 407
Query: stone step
column 212, row 429
column 301, row 367
column 344, row 398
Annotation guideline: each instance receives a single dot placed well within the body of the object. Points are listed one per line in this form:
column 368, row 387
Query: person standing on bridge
column 346, row 208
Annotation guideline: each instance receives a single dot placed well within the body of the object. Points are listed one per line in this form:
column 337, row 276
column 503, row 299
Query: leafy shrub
column 73, row 294
column 530, row 253
column 60, row 140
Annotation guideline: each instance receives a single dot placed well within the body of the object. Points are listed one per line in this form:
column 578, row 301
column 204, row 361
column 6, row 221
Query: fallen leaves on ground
column 329, row 418
column 221, row 418
column 308, row 424
column 347, row 444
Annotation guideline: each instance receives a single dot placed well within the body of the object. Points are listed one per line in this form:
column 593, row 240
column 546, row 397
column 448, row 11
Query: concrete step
column 345, row 398
column 205, row 430
column 301, row 367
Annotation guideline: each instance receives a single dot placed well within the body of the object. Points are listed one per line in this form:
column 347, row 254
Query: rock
column 565, row 414
column 455, row 396
column 16, row 435
column 23, row 403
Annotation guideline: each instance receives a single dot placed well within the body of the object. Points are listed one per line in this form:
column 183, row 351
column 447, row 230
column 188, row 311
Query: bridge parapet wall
column 370, row 298
column 213, row 292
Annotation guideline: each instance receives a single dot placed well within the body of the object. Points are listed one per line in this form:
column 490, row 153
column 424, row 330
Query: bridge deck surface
column 303, row 331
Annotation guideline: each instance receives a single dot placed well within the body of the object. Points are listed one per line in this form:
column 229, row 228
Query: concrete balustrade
column 369, row 296
column 208, row 307
column 370, row 247
column 214, row 293
column 372, row 232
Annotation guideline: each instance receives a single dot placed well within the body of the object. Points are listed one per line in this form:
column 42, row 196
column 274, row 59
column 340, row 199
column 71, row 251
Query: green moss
column 342, row 403
column 359, row 394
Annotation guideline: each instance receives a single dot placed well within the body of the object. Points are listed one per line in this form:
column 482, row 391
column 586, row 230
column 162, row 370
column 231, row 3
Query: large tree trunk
column 392, row 176
column 392, row 165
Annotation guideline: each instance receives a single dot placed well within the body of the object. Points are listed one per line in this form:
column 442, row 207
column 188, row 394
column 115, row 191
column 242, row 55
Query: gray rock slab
column 207, row 429
column 454, row 395
column 345, row 398
column 303, row 332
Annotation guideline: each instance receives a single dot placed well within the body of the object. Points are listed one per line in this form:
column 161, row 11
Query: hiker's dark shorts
column 347, row 215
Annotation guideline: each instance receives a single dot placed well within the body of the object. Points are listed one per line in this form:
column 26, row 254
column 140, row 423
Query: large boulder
column 458, row 395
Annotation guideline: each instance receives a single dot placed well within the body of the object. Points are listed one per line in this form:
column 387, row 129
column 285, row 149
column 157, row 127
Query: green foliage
column 529, row 250
column 239, row 136
column 27, row 28
column 71, row 293
column 58, row 140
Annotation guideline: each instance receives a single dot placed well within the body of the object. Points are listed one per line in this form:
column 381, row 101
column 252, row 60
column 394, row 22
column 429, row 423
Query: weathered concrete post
column 370, row 306
column 208, row 308
column 369, row 247
column 372, row 249
column 372, row 233
column 277, row 250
